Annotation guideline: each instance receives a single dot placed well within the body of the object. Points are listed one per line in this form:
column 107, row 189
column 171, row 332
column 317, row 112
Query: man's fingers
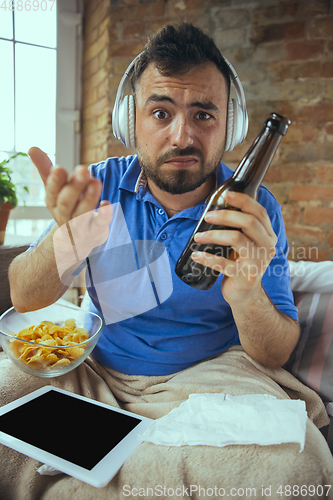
column 90, row 197
column 42, row 162
column 54, row 184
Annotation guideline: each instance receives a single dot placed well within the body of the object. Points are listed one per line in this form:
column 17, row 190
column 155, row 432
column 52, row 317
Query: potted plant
column 8, row 194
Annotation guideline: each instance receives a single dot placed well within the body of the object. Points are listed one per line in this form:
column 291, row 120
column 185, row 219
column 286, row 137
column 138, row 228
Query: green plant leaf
column 8, row 190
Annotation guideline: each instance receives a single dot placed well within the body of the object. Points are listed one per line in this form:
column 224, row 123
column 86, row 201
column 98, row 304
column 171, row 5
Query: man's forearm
column 265, row 333
column 34, row 278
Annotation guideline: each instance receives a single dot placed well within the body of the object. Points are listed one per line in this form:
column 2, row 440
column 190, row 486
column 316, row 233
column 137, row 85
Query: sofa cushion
column 312, row 359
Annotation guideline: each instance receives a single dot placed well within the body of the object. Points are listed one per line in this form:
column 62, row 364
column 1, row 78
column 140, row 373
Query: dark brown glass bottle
column 246, row 179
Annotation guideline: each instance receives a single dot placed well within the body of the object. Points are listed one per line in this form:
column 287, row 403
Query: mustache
column 177, row 152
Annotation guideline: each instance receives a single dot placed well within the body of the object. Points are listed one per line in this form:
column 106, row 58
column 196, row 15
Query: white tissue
column 47, row 470
column 222, row 419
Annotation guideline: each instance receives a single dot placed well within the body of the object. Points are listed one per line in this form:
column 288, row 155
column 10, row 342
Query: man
column 152, row 358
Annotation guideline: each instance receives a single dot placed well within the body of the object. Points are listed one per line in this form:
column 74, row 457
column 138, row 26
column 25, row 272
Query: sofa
column 312, row 359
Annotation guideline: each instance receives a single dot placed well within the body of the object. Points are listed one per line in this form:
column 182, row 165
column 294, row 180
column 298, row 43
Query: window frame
column 68, row 97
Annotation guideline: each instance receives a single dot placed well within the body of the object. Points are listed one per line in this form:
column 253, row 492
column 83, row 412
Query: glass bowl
column 39, row 358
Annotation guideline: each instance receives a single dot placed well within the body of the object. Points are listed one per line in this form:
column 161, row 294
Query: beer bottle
column 246, row 179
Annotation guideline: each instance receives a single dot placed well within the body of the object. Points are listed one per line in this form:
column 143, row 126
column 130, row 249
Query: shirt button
column 160, row 211
column 164, row 236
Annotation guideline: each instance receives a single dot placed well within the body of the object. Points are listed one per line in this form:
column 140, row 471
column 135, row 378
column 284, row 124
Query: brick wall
column 283, row 53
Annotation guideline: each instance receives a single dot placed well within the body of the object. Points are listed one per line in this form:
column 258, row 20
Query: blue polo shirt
column 154, row 323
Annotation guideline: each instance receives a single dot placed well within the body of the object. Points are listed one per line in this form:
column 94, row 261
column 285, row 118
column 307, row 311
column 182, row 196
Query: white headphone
column 123, row 115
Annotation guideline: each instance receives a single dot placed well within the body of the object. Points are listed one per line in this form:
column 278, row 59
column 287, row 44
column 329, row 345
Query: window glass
column 6, row 23
column 25, row 231
column 35, row 71
column 6, row 97
column 36, row 23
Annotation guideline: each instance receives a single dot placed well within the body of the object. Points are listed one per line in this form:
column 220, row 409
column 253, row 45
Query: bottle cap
column 278, row 123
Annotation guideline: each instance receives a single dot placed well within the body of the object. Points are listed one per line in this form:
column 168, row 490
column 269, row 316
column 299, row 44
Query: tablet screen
column 68, row 427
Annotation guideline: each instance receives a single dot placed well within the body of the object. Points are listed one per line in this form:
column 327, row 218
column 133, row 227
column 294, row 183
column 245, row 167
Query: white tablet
column 76, row 435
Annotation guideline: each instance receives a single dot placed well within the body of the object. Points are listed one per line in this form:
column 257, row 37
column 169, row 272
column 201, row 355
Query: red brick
column 327, row 69
column 290, row 214
column 285, row 70
column 142, row 11
column 329, row 129
column 313, row 253
column 89, row 7
column 102, row 151
column 310, row 193
column 89, row 97
column 321, row 28
column 98, row 15
column 315, row 113
column 326, row 150
column 297, row 252
column 301, row 152
column 102, row 89
column 308, row 132
column 117, row 149
column 280, row 191
column 96, row 47
column 134, row 30
column 122, row 49
column 231, row 38
column 289, row 172
column 89, row 126
column 96, row 109
column 313, row 8
column 318, row 216
column 89, row 156
column 294, row 135
column 178, row 7
column 95, row 138
column 330, row 238
column 231, row 18
column 324, row 174
column 275, row 32
column 304, row 235
column 104, row 121
column 300, row 133
column 103, row 58
column 283, row 12
column 90, row 68
column 105, row 25
column 304, row 49
column 268, row 53
column 90, row 37
column 95, row 80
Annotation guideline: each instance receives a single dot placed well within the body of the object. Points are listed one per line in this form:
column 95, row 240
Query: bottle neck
column 253, row 167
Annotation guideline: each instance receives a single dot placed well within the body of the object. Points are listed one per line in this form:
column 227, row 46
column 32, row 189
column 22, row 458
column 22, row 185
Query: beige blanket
column 152, row 471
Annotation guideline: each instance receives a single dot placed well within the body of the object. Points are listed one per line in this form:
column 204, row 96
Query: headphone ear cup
column 126, row 121
column 230, row 126
column 235, row 125
column 131, row 122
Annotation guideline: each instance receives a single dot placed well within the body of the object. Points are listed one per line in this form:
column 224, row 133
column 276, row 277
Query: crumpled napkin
column 222, row 419
column 47, row 470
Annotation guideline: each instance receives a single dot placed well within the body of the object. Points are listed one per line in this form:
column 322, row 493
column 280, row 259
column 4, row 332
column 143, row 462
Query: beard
column 180, row 180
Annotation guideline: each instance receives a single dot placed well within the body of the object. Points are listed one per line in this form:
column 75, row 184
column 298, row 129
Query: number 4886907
column 27, row 5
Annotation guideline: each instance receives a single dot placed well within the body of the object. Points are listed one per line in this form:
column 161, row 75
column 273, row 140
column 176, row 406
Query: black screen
column 72, row 429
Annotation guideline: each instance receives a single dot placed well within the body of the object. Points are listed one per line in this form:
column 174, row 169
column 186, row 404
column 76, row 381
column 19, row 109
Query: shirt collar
column 135, row 178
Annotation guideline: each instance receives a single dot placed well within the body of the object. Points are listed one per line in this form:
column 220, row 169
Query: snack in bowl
column 51, row 341
column 47, row 334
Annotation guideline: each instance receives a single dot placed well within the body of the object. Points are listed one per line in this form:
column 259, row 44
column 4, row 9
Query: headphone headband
column 115, row 113
column 123, row 115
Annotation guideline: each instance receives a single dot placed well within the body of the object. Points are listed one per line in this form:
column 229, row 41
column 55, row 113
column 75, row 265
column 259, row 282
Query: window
column 40, row 54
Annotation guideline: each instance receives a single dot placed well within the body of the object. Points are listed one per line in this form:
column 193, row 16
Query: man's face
column 181, row 126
